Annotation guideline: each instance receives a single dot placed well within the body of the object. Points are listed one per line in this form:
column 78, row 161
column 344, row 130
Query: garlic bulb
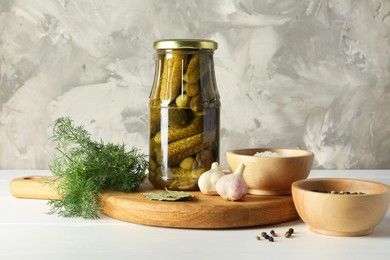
column 208, row 179
column 233, row 186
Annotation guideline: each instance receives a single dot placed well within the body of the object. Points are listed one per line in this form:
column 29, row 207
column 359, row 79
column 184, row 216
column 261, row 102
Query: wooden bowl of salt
column 271, row 171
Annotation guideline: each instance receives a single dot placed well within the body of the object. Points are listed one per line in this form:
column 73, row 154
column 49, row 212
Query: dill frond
column 87, row 168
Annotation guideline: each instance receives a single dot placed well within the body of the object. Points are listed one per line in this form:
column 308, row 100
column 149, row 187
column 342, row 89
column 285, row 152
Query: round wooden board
column 203, row 211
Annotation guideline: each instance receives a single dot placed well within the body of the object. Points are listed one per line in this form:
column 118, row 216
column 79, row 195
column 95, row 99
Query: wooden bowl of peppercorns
column 339, row 206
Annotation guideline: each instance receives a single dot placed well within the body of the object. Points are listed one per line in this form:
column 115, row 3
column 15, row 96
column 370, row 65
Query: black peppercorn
column 340, row 192
column 291, row 230
column 263, row 234
column 287, row 234
column 273, row 233
column 270, row 239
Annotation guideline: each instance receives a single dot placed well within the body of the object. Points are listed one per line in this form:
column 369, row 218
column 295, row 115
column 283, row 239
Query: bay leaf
column 169, row 195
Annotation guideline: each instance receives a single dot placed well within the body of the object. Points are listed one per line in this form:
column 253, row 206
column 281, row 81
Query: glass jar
column 184, row 114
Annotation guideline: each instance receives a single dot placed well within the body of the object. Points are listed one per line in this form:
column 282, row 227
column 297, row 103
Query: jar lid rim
column 185, row 44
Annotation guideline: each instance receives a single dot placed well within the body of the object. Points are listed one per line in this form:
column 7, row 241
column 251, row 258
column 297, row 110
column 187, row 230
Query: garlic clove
column 208, row 180
column 233, row 186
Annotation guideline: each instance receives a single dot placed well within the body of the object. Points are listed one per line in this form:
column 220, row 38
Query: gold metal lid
column 185, row 44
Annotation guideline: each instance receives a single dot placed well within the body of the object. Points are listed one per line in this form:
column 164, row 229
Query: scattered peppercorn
column 288, row 234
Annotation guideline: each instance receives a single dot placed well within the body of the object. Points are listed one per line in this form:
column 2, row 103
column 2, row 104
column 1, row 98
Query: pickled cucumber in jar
column 184, row 114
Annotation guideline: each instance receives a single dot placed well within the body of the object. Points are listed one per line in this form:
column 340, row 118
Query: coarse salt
column 268, row 154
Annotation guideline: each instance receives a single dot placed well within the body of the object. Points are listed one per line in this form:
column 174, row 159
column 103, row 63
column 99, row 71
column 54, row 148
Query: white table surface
column 27, row 232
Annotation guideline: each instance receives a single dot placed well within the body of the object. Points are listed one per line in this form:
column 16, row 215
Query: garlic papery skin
column 233, row 186
column 207, row 180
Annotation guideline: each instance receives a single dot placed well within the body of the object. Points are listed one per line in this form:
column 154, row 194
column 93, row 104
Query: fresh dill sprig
column 86, row 168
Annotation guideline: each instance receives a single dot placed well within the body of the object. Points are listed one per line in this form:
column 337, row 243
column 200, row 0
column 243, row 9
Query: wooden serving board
column 202, row 211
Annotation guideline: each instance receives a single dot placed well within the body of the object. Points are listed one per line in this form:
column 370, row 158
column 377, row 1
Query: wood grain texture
column 34, row 187
column 267, row 175
column 202, row 212
column 341, row 215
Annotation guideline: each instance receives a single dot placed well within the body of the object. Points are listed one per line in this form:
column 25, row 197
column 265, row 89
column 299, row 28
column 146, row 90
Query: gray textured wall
column 310, row 74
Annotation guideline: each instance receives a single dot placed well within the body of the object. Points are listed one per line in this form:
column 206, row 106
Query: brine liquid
column 183, row 145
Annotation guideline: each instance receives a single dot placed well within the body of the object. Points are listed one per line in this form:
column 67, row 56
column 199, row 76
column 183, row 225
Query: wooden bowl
column 266, row 175
column 341, row 215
